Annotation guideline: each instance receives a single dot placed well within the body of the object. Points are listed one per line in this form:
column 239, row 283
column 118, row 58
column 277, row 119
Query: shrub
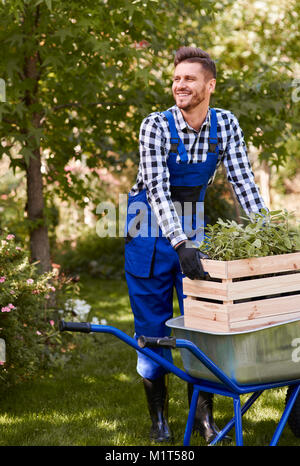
column 92, row 255
column 27, row 315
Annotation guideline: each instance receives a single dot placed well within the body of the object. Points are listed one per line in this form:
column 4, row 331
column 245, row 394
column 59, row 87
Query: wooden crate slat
column 228, row 290
column 263, row 286
column 216, row 269
column 208, row 325
column 244, row 315
column 264, row 321
column 252, row 266
column 205, row 289
column 210, row 311
column 205, row 324
column 263, row 308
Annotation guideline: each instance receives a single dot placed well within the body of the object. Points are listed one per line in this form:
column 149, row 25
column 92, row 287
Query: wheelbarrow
column 230, row 365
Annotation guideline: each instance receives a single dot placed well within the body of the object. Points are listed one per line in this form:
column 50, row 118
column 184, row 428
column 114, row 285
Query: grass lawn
column 98, row 399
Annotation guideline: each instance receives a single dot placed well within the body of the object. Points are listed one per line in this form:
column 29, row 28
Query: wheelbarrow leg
column 238, row 421
column 231, row 423
column 191, row 417
column 285, row 416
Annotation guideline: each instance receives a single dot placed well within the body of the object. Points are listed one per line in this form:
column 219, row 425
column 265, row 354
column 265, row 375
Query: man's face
column 191, row 86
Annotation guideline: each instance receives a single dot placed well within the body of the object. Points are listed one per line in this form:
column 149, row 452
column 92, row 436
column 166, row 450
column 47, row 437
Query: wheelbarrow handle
column 84, row 327
column 154, row 342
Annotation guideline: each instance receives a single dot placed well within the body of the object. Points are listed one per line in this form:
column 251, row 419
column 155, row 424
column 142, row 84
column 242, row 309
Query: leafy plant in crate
column 264, row 234
column 253, row 274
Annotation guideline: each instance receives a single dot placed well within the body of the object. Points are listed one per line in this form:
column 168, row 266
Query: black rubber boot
column 157, row 397
column 204, row 423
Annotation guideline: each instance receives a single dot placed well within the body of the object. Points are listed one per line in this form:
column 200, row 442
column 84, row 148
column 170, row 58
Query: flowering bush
column 27, row 313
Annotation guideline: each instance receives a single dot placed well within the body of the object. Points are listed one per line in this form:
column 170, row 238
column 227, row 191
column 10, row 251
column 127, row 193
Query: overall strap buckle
column 177, row 146
column 213, row 138
column 174, row 145
column 212, row 143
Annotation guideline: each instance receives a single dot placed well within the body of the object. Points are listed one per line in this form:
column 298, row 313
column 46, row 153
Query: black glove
column 189, row 258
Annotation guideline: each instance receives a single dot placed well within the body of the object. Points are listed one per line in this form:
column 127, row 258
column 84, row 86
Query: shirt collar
column 183, row 125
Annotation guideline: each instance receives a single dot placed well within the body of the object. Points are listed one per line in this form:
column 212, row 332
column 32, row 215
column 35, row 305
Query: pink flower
column 11, row 306
column 12, row 292
column 18, row 248
column 10, row 237
column 38, row 332
column 5, row 309
column 47, row 296
column 2, row 363
column 2, row 279
column 29, row 281
column 52, row 323
column 51, row 288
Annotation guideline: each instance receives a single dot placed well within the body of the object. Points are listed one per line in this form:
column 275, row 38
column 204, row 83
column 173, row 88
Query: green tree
column 257, row 48
column 79, row 77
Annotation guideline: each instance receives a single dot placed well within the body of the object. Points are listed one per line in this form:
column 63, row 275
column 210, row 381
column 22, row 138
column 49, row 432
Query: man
column 180, row 150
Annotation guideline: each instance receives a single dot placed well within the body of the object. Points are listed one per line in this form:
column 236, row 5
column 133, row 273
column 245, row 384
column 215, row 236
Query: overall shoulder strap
column 213, row 138
column 177, row 146
column 213, row 149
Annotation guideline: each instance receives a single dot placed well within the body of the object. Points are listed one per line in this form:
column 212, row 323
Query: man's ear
column 212, row 85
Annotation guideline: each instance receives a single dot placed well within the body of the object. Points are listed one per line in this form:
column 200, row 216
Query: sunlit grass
column 98, row 399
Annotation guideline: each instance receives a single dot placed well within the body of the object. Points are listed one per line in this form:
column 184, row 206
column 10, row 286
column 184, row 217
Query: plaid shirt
column 153, row 173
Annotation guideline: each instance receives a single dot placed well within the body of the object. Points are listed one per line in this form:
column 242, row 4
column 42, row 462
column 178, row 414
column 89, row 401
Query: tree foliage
column 99, row 68
column 256, row 45
column 81, row 76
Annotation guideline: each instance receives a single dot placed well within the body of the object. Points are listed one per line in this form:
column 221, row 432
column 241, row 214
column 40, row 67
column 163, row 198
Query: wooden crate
column 237, row 297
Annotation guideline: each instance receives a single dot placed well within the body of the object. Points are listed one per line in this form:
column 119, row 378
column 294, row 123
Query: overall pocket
column 140, row 236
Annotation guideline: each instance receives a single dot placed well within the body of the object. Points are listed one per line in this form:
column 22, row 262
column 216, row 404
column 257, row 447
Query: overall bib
column 152, row 266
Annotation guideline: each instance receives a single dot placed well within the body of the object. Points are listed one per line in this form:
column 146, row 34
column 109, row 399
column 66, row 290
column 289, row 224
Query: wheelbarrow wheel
column 294, row 417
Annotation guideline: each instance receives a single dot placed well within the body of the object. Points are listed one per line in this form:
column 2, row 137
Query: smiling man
column 192, row 87
column 180, row 150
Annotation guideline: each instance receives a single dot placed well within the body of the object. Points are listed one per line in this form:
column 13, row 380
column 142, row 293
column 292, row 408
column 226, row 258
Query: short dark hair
column 196, row 55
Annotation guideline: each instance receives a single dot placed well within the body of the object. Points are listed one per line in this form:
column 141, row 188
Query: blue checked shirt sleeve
column 155, row 176
column 239, row 172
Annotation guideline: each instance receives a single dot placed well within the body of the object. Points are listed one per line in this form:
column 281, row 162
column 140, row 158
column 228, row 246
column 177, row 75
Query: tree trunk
column 39, row 239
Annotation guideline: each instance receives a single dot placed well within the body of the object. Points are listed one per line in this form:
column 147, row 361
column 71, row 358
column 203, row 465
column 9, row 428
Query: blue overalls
column 152, row 266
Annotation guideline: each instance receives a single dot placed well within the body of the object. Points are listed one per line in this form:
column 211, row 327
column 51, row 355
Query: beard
column 190, row 102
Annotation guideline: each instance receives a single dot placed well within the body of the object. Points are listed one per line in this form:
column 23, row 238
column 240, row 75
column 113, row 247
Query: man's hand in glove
column 189, row 258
